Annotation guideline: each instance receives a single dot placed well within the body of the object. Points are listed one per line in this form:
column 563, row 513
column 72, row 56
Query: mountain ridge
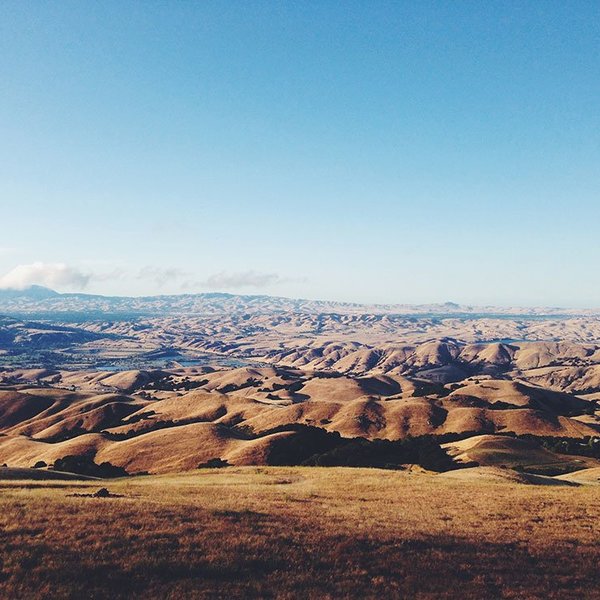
column 39, row 298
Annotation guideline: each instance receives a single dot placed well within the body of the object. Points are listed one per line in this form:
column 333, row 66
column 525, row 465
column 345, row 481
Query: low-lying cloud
column 161, row 275
column 52, row 275
column 61, row 276
column 245, row 279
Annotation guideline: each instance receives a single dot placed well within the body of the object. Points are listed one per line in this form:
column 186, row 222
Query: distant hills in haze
column 39, row 299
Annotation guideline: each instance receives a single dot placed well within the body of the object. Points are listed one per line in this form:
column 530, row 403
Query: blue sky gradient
column 377, row 152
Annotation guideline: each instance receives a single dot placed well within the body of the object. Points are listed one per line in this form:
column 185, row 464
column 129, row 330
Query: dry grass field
column 299, row 533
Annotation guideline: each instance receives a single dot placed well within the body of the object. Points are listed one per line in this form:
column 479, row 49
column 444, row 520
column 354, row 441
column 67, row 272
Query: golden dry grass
column 299, row 533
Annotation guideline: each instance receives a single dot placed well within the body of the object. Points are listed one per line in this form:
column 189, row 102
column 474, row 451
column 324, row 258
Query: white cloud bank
column 60, row 276
column 52, row 275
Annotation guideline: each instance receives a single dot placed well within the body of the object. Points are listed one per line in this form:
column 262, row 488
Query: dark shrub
column 214, row 463
column 84, row 465
column 317, row 447
column 430, row 455
column 306, row 442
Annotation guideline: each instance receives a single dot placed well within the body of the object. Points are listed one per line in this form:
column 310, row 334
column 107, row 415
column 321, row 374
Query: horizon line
column 457, row 305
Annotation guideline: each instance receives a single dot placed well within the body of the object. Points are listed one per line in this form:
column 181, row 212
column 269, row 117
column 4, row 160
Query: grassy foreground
column 296, row 533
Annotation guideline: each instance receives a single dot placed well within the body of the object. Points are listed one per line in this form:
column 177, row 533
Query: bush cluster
column 85, row 465
column 312, row 446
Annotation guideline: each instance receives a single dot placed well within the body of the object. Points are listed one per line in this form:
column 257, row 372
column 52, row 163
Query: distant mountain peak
column 34, row 292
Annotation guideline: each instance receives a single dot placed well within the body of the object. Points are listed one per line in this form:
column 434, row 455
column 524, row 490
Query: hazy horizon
column 389, row 153
column 303, row 298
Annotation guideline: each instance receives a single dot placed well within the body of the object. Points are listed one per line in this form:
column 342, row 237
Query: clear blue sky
column 368, row 151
